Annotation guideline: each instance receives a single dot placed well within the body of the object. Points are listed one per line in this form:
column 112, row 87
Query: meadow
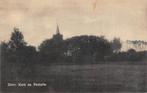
column 95, row 78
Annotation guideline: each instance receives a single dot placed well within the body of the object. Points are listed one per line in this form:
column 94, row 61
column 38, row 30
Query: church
column 58, row 36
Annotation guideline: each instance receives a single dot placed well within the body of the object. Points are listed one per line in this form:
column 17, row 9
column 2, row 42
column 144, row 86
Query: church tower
column 58, row 36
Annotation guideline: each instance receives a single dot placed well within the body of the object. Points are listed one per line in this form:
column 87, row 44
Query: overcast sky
column 37, row 19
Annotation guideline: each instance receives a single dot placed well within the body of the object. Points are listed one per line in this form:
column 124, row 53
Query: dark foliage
column 17, row 39
column 19, row 59
column 76, row 50
column 130, row 55
column 116, row 45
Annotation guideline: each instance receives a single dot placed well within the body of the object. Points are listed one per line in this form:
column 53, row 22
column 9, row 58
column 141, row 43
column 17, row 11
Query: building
column 138, row 45
column 58, row 37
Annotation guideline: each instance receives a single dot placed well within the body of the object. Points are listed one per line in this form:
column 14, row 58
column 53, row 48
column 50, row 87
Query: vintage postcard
column 73, row 46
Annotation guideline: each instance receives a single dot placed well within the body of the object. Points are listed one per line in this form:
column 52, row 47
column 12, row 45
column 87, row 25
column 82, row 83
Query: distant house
column 138, row 45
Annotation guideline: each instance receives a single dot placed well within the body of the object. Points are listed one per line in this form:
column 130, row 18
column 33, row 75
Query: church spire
column 58, row 36
column 58, row 30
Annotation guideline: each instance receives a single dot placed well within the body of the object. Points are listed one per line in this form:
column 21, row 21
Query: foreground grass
column 96, row 77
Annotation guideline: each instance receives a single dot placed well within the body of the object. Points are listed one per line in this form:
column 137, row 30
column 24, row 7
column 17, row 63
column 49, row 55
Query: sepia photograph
column 73, row 46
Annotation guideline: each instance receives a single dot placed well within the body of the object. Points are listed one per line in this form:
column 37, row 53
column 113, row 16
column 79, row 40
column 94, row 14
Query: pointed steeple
column 58, row 36
column 58, row 30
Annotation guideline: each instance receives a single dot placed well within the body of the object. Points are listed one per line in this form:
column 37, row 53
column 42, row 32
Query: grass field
column 96, row 77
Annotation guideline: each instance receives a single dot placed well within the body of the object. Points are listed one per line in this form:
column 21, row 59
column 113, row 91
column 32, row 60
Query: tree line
column 19, row 59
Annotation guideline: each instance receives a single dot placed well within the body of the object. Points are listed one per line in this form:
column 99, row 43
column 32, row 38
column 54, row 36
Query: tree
column 3, row 58
column 51, row 51
column 88, row 48
column 77, row 50
column 132, row 55
column 17, row 57
column 116, row 45
column 16, row 40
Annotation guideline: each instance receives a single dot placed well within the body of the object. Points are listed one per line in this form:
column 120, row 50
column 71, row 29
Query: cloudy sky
column 37, row 19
